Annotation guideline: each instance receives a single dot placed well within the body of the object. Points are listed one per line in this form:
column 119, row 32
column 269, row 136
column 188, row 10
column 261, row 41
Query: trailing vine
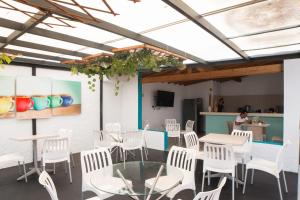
column 5, row 59
column 122, row 64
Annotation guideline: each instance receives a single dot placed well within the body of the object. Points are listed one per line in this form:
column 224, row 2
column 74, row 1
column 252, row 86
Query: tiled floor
column 264, row 188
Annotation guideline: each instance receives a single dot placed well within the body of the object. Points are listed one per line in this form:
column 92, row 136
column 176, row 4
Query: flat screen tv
column 165, row 99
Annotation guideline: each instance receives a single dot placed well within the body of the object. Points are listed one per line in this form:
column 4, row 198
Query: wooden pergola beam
column 215, row 74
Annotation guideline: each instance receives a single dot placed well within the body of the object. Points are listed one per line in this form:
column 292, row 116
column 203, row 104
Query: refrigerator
column 191, row 109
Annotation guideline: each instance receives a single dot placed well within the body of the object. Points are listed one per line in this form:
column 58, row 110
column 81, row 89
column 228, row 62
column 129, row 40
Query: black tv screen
column 165, row 99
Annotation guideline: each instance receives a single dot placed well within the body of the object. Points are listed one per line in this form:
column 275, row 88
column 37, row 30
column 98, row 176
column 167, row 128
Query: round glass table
column 135, row 174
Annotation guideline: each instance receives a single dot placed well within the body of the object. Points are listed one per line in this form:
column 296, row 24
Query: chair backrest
column 248, row 134
column 101, row 138
column 173, row 130
column 280, row 154
column 182, row 159
column 191, row 140
column 213, row 194
column 56, row 145
column 47, row 182
column 189, row 126
column 170, row 121
column 95, row 161
column 62, row 132
column 218, row 157
column 133, row 140
column 229, row 126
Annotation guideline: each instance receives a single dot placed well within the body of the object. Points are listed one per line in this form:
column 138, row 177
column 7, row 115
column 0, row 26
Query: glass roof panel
column 272, row 51
column 33, row 58
column 91, row 51
column 290, row 36
column 258, row 17
column 4, row 32
column 40, row 52
column 206, row 6
column 15, row 15
column 50, row 42
column 82, row 31
column 124, row 43
column 137, row 17
column 192, row 39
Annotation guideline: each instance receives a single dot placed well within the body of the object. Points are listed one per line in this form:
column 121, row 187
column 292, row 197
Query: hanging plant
column 123, row 64
column 6, row 59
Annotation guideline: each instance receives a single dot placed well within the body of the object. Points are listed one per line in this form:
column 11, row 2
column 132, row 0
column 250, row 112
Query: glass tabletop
column 135, row 173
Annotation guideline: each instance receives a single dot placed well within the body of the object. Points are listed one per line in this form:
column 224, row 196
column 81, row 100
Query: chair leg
column 233, row 180
column 195, row 193
column 65, row 163
column 70, row 173
column 54, row 168
column 237, row 176
column 124, row 159
column 252, row 176
column 202, row 187
column 285, row 185
column 243, row 165
column 245, row 181
column 208, row 178
column 72, row 159
column 142, row 155
column 25, row 173
column 279, row 188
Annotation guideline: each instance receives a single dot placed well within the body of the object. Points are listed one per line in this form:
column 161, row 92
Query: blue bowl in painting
column 67, row 100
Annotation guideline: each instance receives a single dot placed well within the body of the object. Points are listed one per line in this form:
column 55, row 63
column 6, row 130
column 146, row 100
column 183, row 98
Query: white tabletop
column 219, row 138
column 34, row 137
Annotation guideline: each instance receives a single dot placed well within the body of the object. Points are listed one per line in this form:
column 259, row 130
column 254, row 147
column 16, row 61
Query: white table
column 34, row 139
column 219, row 138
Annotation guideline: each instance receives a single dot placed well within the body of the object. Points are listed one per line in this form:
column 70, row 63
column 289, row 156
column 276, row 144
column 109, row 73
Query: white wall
column 253, row 85
column 122, row 108
column 157, row 116
column 292, row 111
column 82, row 125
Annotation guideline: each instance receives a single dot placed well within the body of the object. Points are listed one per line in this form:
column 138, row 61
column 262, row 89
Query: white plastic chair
column 103, row 140
column 213, row 194
column 170, row 121
column 173, row 130
column 243, row 153
column 192, row 142
column 271, row 167
column 46, row 181
column 67, row 133
column 14, row 157
column 57, row 150
column 144, row 140
column 179, row 160
column 221, row 159
column 98, row 162
column 189, row 126
column 132, row 141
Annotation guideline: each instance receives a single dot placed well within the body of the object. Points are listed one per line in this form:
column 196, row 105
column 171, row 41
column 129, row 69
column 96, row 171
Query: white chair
column 57, row 150
column 170, row 121
column 132, row 141
column 103, row 140
column 271, row 167
column 179, row 160
column 243, row 153
column 67, row 133
column 189, row 125
column 46, row 181
column 173, row 130
column 92, row 164
column 144, row 140
column 192, row 142
column 220, row 159
column 213, row 194
column 14, row 157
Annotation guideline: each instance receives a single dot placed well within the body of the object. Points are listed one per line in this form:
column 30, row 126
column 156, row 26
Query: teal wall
column 217, row 124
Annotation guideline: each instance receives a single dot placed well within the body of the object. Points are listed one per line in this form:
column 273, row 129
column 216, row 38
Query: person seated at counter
column 242, row 118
